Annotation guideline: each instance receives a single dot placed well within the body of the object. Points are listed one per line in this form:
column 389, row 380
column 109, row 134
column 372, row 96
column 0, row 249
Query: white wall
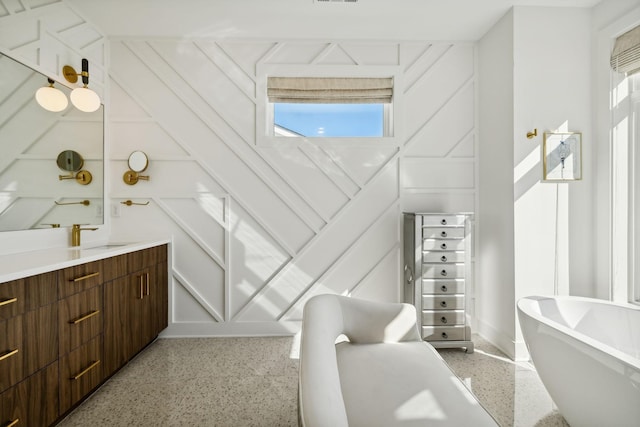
column 495, row 256
column 259, row 228
column 546, row 228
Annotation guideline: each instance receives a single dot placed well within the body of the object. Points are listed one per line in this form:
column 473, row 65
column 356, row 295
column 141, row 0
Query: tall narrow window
column 330, row 107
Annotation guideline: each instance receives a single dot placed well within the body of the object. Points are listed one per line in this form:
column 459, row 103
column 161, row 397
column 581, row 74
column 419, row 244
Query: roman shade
column 330, row 90
column 625, row 57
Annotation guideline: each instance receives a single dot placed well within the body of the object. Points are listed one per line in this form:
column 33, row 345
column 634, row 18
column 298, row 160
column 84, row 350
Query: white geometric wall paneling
column 47, row 34
column 300, row 219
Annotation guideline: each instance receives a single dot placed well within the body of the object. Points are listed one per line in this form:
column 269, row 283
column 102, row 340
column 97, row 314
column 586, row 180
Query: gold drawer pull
column 9, row 354
column 90, row 367
column 88, row 276
column 83, row 318
column 13, row 423
column 141, row 287
column 147, row 284
column 8, row 301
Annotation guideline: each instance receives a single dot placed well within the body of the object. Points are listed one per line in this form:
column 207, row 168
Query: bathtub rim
column 525, row 303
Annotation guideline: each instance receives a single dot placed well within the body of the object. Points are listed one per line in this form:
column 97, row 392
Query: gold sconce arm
column 84, row 202
column 131, row 203
column 131, row 177
column 82, row 177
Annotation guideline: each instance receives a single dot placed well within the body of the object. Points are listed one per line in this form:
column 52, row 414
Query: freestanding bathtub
column 587, row 354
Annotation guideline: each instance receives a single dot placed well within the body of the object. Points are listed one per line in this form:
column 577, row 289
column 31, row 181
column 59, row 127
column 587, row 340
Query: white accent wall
column 259, row 228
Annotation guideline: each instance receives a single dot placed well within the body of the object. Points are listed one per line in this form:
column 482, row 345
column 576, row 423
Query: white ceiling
column 300, row 19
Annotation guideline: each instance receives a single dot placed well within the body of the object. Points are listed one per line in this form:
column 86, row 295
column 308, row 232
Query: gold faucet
column 75, row 234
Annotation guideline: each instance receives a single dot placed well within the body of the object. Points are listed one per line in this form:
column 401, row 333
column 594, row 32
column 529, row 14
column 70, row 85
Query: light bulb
column 51, row 99
column 84, row 99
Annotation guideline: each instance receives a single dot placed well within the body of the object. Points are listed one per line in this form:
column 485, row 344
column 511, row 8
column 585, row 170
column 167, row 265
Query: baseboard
column 231, row 329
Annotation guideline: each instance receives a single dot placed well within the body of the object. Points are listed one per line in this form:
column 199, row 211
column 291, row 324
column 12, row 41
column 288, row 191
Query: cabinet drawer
column 443, row 302
column 443, row 286
column 443, row 257
column 443, row 333
column 80, row 372
column 114, row 267
column 442, row 317
column 12, row 299
column 443, row 271
column 41, row 406
column 443, row 220
column 80, row 318
column 147, row 257
column 443, row 233
column 79, row 278
column 443, row 245
column 11, row 352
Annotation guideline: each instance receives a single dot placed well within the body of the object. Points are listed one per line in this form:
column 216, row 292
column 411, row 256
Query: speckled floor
column 253, row 382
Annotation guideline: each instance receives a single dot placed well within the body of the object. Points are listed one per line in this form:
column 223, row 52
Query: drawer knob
column 443, row 319
column 443, row 246
column 444, row 335
column 443, row 303
column 443, row 273
column 443, row 234
column 443, row 222
column 443, row 288
column 443, row 258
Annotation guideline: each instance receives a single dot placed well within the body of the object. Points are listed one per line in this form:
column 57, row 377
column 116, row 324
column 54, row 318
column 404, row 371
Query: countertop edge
column 25, row 264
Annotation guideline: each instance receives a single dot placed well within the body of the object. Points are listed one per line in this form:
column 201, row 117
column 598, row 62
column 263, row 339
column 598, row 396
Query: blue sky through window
column 331, row 120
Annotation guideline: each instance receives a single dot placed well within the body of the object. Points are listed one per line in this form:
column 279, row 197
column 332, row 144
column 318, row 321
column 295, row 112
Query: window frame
column 264, row 109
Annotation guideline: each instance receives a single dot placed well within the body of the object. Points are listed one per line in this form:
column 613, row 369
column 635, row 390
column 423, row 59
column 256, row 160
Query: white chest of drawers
column 436, row 265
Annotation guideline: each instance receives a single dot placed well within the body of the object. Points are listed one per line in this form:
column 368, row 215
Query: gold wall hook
column 131, row 203
column 530, row 135
column 84, row 202
column 83, row 177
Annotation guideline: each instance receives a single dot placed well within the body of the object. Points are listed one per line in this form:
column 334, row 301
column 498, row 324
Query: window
column 330, row 107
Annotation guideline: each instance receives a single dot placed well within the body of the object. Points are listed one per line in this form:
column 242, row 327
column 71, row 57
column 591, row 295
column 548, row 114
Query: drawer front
column 147, row 257
column 443, row 233
column 443, row 286
column 443, row 302
column 114, row 267
column 11, row 352
column 443, row 271
column 435, row 220
column 80, row 318
column 41, row 406
column 442, row 317
column 443, row 245
column 80, row 372
column 12, row 299
column 41, row 290
column 443, row 257
column 79, row 278
column 40, row 337
column 443, row 333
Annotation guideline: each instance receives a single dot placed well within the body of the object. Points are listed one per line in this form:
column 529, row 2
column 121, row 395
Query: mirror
column 70, row 161
column 35, row 144
column 138, row 161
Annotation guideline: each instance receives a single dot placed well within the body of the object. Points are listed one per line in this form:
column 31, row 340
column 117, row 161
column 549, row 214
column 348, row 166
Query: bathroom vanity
column 70, row 318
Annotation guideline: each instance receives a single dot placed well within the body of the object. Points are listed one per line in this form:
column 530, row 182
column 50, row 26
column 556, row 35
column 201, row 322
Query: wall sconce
column 50, row 98
column 83, row 98
column 138, row 162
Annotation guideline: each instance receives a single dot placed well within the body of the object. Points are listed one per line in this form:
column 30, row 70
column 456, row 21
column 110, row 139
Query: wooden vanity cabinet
column 62, row 333
column 28, row 350
column 136, row 306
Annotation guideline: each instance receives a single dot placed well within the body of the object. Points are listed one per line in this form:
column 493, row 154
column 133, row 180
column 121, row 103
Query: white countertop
column 25, row 264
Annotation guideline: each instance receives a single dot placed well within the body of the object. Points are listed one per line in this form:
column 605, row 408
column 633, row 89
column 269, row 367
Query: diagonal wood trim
column 196, row 295
column 207, row 54
column 425, row 74
column 394, row 206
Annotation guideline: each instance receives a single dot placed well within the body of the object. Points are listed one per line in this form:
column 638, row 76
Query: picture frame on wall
column 562, row 156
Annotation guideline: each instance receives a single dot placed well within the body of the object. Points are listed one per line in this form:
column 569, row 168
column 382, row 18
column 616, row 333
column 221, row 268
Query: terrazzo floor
column 231, row 382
